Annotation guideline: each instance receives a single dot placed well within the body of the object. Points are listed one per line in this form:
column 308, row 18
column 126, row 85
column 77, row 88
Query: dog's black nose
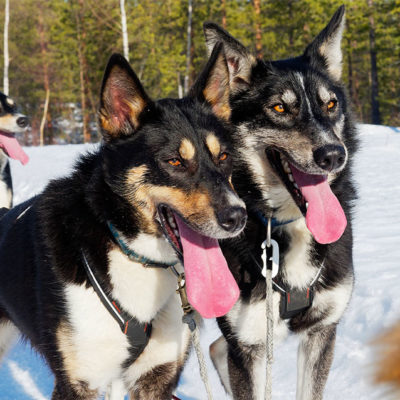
column 232, row 219
column 22, row 122
column 330, row 157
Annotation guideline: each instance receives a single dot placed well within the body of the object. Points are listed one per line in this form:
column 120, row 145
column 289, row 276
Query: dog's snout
column 22, row 122
column 330, row 157
column 232, row 219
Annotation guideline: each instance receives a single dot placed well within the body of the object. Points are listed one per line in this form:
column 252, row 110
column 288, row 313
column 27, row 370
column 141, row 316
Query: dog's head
column 170, row 162
column 170, row 159
column 11, row 122
column 293, row 124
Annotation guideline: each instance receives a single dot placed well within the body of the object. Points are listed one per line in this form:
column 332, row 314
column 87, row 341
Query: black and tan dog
column 294, row 140
column 11, row 122
column 96, row 247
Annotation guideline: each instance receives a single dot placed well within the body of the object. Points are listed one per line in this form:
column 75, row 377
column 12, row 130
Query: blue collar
column 147, row 262
column 274, row 222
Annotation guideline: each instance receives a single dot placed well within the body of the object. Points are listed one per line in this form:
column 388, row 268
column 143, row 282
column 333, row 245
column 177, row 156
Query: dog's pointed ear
column 326, row 47
column 122, row 99
column 240, row 60
column 212, row 85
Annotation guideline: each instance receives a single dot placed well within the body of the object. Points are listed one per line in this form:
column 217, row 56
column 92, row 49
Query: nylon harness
column 138, row 333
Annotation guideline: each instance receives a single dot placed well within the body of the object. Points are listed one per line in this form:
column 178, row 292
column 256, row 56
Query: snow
column 374, row 306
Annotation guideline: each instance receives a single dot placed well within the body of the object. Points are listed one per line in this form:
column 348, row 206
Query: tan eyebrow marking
column 213, row 144
column 187, row 150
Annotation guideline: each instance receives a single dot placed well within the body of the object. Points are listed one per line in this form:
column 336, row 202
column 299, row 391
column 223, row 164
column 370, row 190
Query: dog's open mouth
column 283, row 168
column 210, row 286
column 324, row 215
column 170, row 228
column 10, row 145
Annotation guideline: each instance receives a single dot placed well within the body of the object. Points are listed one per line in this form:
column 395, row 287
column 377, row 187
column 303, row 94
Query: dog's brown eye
column 175, row 162
column 279, row 108
column 223, row 156
column 331, row 105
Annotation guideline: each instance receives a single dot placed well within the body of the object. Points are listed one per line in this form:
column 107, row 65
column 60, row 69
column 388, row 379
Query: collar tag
column 270, row 257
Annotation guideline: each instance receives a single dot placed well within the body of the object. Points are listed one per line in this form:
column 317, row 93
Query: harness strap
column 138, row 333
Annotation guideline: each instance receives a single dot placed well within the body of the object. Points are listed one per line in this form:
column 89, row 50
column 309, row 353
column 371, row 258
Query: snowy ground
column 375, row 304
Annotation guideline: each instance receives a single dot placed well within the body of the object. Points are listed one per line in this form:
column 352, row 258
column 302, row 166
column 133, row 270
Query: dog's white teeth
column 286, row 167
column 290, row 177
column 307, row 204
column 295, row 185
column 172, row 222
column 176, row 232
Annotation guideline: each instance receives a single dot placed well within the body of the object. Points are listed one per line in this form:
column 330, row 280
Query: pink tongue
column 210, row 286
column 13, row 149
column 325, row 217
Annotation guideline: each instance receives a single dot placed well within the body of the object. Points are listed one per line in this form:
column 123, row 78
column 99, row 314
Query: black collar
column 138, row 333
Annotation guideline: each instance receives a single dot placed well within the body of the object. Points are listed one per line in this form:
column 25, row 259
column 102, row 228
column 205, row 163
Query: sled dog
column 87, row 266
column 295, row 141
column 11, row 122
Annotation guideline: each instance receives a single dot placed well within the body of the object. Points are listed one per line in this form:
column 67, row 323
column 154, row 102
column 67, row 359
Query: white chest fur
column 95, row 348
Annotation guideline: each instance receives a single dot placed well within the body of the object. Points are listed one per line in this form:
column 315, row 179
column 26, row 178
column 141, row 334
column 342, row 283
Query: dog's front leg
column 116, row 390
column 158, row 384
column 314, row 359
column 241, row 368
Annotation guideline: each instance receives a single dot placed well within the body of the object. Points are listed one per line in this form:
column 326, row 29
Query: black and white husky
column 11, row 122
column 86, row 267
column 295, row 140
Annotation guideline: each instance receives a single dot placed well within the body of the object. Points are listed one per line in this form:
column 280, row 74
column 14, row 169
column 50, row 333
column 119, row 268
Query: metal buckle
column 272, row 261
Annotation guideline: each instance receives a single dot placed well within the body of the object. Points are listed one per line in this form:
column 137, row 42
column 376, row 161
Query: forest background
column 59, row 48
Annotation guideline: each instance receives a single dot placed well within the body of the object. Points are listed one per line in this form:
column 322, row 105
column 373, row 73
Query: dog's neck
column 152, row 247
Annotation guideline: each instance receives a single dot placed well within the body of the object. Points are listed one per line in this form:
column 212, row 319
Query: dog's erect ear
column 212, row 85
column 240, row 60
column 122, row 99
column 325, row 49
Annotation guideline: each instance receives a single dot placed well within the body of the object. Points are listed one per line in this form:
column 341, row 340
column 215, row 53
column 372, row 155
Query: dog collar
column 274, row 222
column 146, row 262
column 138, row 333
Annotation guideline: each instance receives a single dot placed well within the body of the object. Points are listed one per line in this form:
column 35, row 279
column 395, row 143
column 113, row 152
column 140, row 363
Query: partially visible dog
column 295, row 142
column 86, row 266
column 388, row 360
column 11, row 122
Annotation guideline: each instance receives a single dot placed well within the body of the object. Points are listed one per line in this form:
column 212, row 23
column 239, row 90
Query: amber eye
column 279, row 108
column 175, row 162
column 331, row 105
column 223, row 156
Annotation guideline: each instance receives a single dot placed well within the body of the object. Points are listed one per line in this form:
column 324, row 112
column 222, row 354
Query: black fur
column 261, row 87
column 41, row 240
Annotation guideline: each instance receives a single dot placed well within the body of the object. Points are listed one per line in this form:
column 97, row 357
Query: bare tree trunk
column 291, row 28
column 180, row 88
column 375, row 113
column 189, row 46
column 124, row 30
column 257, row 15
column 81, row 35
column 6, row 56
column 46, row 78
column 223, row 9
column 44, row 117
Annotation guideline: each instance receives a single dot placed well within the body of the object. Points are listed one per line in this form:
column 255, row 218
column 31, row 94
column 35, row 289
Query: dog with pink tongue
column 295, row 140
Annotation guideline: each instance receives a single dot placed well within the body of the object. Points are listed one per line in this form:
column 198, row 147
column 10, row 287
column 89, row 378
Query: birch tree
column 124, row 30
column 6, row 57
